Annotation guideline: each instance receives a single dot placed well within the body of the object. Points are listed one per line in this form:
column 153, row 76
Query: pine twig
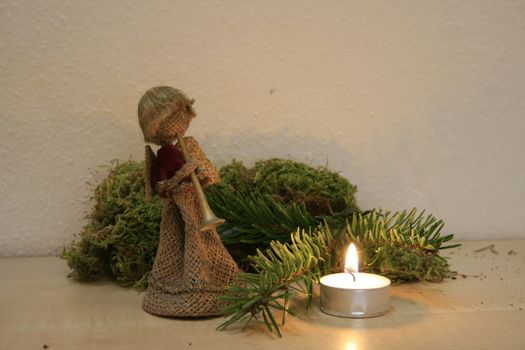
column 402, row 246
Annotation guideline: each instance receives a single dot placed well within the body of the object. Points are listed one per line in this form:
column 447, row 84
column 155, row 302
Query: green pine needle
column 402, row 246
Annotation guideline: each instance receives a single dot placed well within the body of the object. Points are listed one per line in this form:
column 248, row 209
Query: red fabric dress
column 169, row 160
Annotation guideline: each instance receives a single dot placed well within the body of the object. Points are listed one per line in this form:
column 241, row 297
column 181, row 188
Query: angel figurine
column 191, row 268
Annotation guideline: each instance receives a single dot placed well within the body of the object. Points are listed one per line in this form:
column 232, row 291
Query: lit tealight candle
column 353, row 293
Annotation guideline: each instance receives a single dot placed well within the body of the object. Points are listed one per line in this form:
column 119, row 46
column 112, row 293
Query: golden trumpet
column 209, row 220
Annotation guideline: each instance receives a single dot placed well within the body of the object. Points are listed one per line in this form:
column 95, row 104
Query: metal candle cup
column 354, row 294
column 368, row 296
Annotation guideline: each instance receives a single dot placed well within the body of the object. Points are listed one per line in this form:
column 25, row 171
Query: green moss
column 402, row 263
column 86, row 260
column 322, row 191
column 237, row 176
column 261, row 204
column 121, row 238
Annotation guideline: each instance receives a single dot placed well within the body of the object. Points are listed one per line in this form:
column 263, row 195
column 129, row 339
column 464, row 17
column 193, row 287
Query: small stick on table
column 491, row 247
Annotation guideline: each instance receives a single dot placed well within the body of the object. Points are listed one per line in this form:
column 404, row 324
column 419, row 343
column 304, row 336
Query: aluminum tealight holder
column 365, row 296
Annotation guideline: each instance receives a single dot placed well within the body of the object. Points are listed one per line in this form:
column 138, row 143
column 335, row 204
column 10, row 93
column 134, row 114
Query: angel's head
column 164, row 112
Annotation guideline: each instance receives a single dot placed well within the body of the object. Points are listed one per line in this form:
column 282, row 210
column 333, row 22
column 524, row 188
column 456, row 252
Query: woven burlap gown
column 191, row 268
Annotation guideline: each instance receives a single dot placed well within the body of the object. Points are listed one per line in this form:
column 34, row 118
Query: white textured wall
column 419, row 103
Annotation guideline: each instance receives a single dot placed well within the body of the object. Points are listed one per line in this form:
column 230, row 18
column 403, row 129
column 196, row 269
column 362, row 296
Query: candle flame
column 351, row 264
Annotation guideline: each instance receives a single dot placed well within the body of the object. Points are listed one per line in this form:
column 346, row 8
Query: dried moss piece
column 85, row 259
column 402, row 264
column 235, row 175
column 121, row 239
column 322, row 191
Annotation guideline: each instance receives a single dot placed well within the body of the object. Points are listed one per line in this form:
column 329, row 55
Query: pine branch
column 402, row 246
column 402, row 228
column 256, row 218
column 281, row 270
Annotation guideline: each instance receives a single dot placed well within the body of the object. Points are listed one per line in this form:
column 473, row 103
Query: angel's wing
column 148, row 165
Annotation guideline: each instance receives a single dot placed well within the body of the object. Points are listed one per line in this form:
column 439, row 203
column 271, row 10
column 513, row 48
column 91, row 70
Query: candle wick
column 350, row 272
column 353, row 276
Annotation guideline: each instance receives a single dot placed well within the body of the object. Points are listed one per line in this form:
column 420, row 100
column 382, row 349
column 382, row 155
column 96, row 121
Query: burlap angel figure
column 191, row 268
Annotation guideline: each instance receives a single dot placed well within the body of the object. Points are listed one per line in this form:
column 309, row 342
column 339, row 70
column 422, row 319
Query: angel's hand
column 203, row 178
column 162, row 188
column 186, row 169
column 199, row 173
column 179, row 176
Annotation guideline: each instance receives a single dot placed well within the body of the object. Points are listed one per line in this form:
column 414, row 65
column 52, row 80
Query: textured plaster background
column 419, row 103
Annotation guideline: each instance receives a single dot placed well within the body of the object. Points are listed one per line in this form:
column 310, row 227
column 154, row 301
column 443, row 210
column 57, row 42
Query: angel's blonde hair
column 161, row 111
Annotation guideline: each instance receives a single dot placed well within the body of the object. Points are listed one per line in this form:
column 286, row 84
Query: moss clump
column 322, row 191
column 235, row 175
column 401, row 263
column 261, row 205
column 121, row 238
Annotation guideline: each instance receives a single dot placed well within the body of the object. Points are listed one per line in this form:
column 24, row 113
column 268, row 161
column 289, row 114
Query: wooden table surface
column 482, row 309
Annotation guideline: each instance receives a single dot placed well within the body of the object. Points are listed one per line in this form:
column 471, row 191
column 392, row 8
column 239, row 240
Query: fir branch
column 255, row 218
column 281, row 270
column 406, row 228
column 402, row 246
